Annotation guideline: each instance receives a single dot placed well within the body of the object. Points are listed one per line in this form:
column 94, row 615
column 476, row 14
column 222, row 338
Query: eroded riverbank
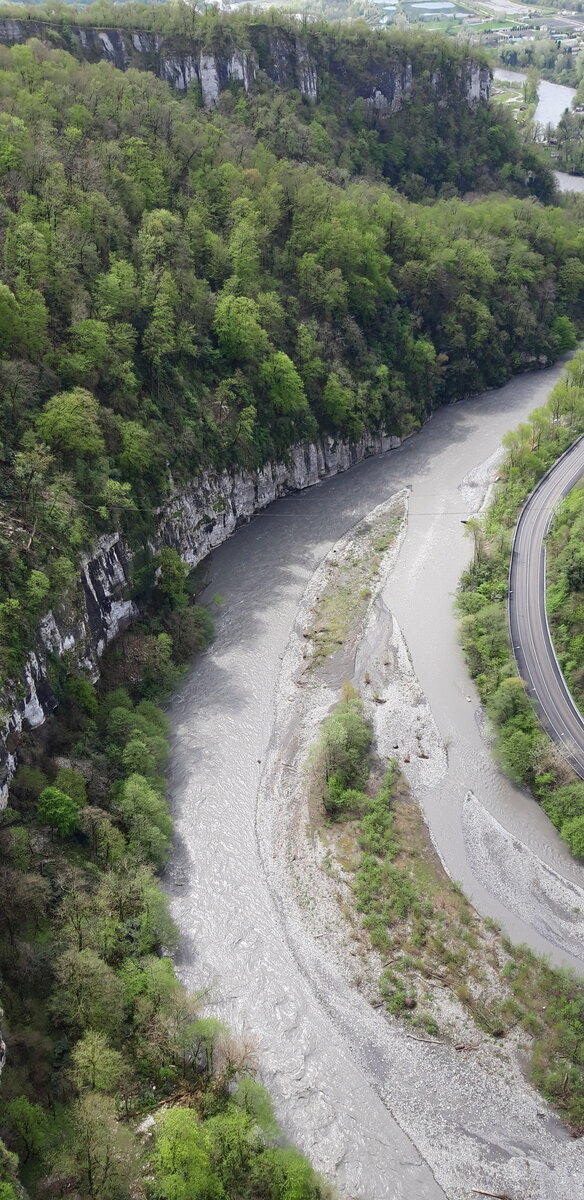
column 338, row 1077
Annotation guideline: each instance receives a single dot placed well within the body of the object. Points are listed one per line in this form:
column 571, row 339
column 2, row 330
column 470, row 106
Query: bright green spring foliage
column 525, row 753
column 100, row 1031
column 339, row 762
column 182, row 289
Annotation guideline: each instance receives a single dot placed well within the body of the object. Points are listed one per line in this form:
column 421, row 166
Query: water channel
column 384, row 1116
column 552, row 101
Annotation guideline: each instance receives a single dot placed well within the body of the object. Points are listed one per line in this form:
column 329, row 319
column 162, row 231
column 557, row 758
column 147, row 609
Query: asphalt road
column 528, row 623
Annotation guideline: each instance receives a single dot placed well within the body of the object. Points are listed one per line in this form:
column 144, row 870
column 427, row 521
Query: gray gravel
column 384, row 1116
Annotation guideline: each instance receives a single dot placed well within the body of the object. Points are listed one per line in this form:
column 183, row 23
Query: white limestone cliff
column 194, row 520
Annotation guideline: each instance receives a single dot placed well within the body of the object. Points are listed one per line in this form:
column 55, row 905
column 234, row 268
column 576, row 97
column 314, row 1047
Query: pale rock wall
column 209, row 77
column 81, row 628
column 194, row 520
column 287, row 59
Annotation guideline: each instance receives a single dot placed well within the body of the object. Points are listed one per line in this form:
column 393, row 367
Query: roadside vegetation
column 101, row 1034
column 565, row 583
column 526, row 754
column 565, row 601
column 430, row 940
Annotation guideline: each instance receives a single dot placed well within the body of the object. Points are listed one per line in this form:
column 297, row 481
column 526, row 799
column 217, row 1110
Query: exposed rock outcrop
column 194, row 520
column 305, row 61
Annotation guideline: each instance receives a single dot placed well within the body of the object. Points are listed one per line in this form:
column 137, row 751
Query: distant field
column 441, row 11
column 493, row 23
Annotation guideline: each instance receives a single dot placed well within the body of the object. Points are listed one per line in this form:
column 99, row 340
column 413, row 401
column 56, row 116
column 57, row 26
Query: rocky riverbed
column 384, row 1115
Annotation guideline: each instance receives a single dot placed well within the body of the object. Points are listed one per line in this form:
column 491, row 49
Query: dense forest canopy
column 183, row 289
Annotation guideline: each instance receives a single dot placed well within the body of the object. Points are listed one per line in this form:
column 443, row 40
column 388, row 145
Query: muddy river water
column 552, row 101
column 385, row 1117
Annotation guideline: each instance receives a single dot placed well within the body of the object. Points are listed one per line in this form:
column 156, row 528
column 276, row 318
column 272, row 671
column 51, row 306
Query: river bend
column 552, row 101
column 383, row 1117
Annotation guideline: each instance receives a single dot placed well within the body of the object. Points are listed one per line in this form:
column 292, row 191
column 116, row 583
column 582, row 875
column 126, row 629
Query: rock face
column 194, row 521
column 81, row 628
column 307, row 61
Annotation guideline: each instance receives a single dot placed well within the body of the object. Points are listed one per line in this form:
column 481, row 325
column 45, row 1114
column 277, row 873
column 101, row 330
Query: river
column 552, row 101
column 552, row 98
column 345, row 1083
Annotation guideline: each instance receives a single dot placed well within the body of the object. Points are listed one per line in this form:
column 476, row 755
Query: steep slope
column 410, row 107
column 217, row 52
column 186, row 292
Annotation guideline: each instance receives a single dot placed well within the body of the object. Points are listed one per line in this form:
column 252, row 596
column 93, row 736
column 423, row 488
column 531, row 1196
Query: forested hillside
column 101, row 1035
column 182, row 289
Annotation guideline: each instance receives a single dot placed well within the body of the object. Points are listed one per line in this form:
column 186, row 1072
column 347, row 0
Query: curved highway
column 528, row 623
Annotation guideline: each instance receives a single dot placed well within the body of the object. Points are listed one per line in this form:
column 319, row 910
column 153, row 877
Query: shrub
column 191, row 629
column 573, row 832
column 516, row 752
column 565, row 803
column 340, row 760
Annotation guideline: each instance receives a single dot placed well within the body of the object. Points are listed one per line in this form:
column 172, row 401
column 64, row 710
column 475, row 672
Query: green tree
column 160, row 335
column 137, row 453
column 116, row 291
column 191, row 629
column 284, row 385
column 103, row 1154
column 29, row 1125
column 23, row 901
column 95, row 1065
column 69, row 423
column 182, row 1161
column 146, row 817
column 337, row 402
column 573, row 833
column 10, row 1188
column 172, row 575
column 37, row 587
column 143, row 167
column 73, row 784
column 240, row 335
column 58, row 810
column 10, row 320
column 88, row 993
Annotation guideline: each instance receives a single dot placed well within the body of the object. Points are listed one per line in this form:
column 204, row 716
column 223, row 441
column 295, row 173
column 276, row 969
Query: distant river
column 553, row 100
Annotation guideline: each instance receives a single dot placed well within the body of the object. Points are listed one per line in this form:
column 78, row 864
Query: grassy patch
column 344, row 600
